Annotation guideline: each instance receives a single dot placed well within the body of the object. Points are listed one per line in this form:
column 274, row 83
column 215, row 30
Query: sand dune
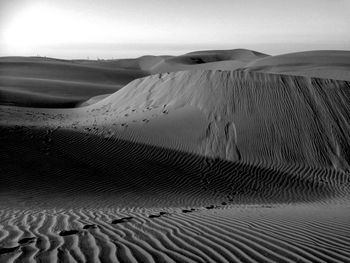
column 188, row 166
column 211, row 59
column 322, row 64
column 55, row 83
column 237, row 115
column 50, row 83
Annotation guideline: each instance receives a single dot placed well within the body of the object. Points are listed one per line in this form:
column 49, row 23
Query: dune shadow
column 89, row 165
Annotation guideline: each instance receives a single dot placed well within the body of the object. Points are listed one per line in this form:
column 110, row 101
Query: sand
column 327, row 64
column 199, row 165
column 51, row 83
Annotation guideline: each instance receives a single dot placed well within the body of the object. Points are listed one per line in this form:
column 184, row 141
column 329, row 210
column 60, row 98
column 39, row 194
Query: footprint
column 187, row 211
column 159, row 215
column 26, row 240
column 68, row 232
column 154, row 216
column 6, row 250
column 89, row 226
column 163, row 213
column 210, row 207
column 117, row 221
column 122, row 220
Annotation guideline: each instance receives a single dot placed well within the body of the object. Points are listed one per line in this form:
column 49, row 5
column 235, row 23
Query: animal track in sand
column 90, row 226
column 122, row 220
column 188, row 210
column 154, row 216
column 159, row 215
column 68, row 232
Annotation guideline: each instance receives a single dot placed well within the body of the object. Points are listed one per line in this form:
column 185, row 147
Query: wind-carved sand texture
column 200, row 165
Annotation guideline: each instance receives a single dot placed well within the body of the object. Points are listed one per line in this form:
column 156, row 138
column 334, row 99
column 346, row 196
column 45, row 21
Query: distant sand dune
column 49, row 83
column 325, row 64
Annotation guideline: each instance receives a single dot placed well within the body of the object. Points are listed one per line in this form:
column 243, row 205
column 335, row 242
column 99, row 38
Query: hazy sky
column 130, row 28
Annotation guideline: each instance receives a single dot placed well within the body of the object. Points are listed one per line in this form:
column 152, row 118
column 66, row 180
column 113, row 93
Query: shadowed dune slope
column 54, row 168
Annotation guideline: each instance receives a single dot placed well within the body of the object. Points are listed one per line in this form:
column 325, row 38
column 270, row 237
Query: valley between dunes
column 212, row 156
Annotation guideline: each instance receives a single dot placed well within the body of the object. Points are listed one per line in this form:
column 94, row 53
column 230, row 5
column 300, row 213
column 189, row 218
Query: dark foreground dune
column 190, row 166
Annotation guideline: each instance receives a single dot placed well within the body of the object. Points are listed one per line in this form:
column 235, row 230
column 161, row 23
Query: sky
column 131, row 28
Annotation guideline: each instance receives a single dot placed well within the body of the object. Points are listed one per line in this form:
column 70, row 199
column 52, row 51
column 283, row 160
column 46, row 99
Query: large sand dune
column 189, row 166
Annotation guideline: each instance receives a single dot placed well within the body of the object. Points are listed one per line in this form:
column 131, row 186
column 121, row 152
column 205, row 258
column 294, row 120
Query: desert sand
column 212, row 156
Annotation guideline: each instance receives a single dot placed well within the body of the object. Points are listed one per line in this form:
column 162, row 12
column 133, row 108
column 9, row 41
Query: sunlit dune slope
column 259, row 117
column 321, row 64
